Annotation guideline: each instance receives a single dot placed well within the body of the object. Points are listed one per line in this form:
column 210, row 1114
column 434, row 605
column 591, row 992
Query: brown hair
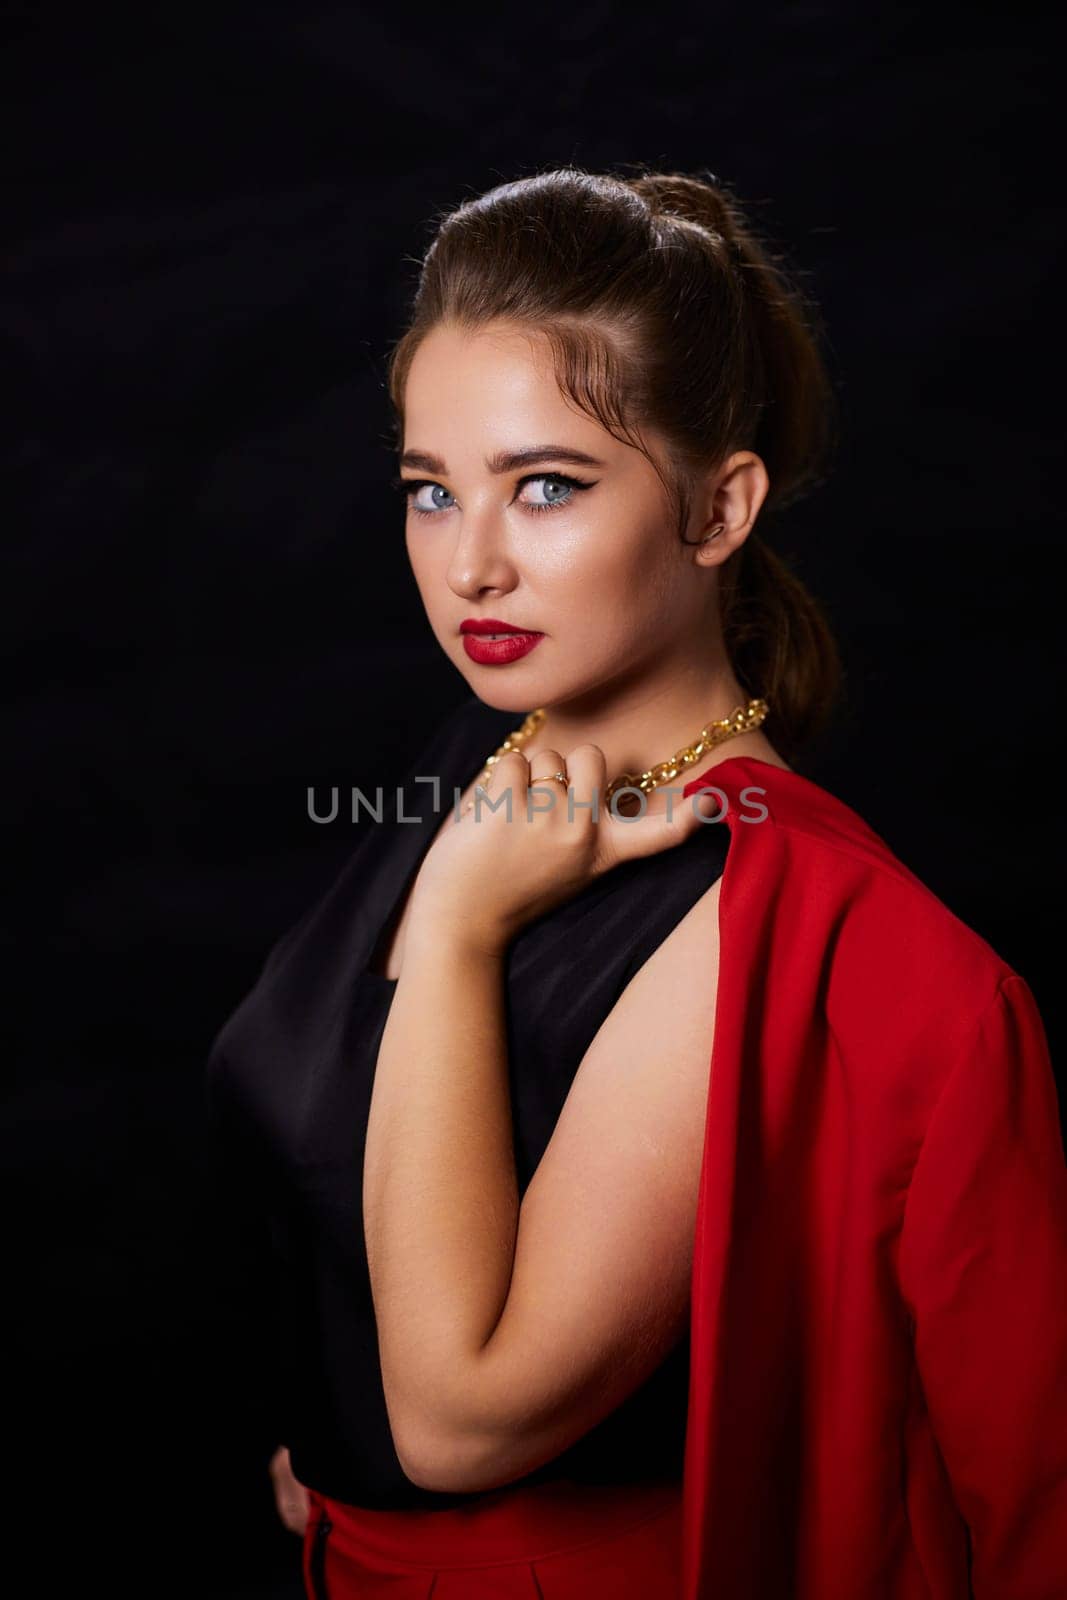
column 662, row 307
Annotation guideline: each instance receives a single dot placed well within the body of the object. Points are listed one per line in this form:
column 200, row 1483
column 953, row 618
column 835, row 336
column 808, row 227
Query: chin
column 501, row 689
column 501, row 699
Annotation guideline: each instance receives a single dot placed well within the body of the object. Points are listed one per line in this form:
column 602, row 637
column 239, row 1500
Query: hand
column 290, row 1495
column 486, row 875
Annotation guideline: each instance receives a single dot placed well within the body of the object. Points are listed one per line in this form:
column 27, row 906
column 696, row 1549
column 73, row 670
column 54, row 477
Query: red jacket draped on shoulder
column 878, row 1391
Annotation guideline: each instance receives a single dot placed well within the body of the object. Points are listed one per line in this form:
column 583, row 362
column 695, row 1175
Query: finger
column 544, row 763
column 625, row 838
column 502, row 774
column 511, row 770
column 587, row 781
column 545, row 768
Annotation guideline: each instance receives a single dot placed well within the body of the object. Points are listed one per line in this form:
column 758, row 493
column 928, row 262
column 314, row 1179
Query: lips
column 498, row 652
column 491, row 625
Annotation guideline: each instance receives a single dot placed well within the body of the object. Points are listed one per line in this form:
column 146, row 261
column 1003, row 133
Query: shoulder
column 803, row 860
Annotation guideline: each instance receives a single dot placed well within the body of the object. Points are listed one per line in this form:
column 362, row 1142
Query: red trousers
column 544, row 1541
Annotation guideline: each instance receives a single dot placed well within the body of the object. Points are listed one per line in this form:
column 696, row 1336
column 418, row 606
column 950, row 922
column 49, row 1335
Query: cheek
column 607, row 602
column 588, row 598
column 622, row 570
column 601, row 558
column 427, row 562
column 434, row 592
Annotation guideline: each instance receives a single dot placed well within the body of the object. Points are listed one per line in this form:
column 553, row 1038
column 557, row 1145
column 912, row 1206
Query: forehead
column 479, row 391
column 453, row 359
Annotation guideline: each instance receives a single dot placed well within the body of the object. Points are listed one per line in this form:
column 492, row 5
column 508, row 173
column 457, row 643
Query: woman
column 660, row 1204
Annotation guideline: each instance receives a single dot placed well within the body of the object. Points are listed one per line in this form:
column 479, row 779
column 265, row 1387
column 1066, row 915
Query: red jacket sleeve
column 983, row 1264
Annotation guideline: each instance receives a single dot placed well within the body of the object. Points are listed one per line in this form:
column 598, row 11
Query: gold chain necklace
column 742, row 720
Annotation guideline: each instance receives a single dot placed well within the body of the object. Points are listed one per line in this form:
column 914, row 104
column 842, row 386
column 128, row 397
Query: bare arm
column 506, row 1333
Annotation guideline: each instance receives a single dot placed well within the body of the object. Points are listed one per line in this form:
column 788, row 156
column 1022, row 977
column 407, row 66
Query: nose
column 480, row 561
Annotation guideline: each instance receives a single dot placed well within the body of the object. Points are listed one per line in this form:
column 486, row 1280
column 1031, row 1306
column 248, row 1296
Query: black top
column 289, row 1082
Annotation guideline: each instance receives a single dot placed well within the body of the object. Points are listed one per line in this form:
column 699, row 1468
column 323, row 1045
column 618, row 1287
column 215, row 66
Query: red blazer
column 878, row 1389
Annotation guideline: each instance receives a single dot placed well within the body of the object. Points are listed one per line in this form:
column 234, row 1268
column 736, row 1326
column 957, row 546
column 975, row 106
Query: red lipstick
column 496, row 652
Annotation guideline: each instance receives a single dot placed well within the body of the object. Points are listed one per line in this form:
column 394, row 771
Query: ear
column 725, row 510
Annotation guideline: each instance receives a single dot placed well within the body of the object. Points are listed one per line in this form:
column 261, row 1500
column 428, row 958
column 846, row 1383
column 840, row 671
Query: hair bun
column 686, row 198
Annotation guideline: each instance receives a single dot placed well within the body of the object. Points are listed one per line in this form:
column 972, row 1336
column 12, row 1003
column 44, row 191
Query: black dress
column 289, row 1080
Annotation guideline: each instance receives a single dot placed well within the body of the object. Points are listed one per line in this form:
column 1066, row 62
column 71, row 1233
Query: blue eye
column 569, row 486
column 414, row 486
column 427, row 511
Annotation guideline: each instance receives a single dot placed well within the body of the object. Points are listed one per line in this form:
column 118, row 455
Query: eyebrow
column 505, row 460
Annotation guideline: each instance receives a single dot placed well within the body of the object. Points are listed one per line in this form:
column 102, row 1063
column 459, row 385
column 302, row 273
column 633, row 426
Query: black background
column 215, row 218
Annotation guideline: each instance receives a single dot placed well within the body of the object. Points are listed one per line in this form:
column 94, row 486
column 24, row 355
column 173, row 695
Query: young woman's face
column 582, row 552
